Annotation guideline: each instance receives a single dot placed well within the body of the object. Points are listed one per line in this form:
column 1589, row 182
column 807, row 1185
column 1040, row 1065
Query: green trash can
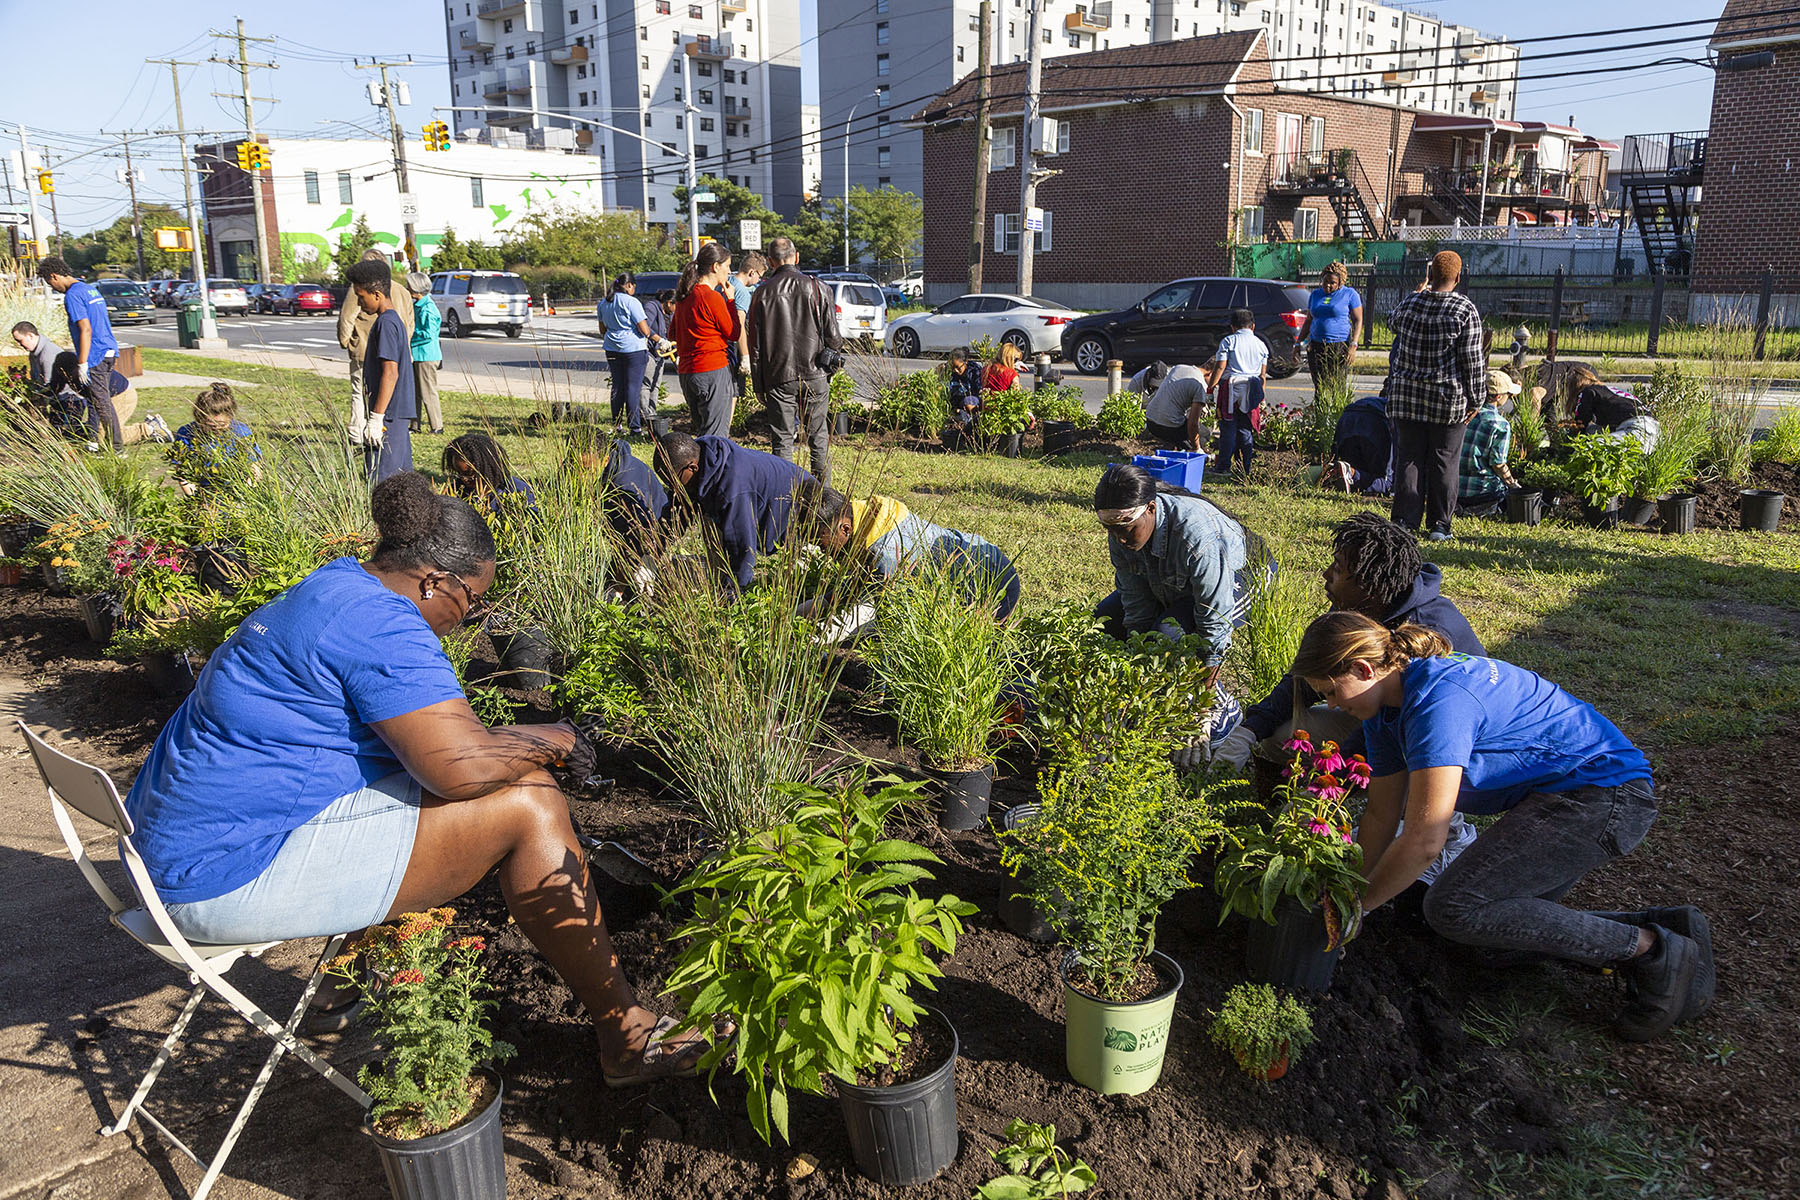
column 187, row 326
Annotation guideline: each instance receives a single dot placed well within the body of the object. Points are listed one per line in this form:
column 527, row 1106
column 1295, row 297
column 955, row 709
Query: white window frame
column 1306, row 224
column 1253, row 131
column 1248, row 218
column 1003, row 148
column 1006, row 234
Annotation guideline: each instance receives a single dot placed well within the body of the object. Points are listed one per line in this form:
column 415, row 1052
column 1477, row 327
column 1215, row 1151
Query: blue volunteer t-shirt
column 278, row 727
column 82, row 303
column 1510, row 730
column 388, row 339
column 1331, row 314
column 620, row 317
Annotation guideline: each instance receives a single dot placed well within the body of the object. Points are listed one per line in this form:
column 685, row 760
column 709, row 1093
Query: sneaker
column 1438, row 535
column 93, row 447
column 1692, row 924
column 1656, row 986
column 158, row 429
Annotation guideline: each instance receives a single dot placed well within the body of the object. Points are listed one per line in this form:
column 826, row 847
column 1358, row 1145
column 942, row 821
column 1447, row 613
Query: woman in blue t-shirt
column 1450, row 733
column 1334, row 317
column 627, row 346
column 327, row 774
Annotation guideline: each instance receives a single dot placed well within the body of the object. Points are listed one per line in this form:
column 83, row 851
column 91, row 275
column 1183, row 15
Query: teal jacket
column 426, row 323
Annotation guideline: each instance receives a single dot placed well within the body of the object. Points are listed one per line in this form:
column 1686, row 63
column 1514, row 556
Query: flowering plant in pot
column 75, row 550
column 150, row 576
column 429, row 1002
column 812, row 937
column 12, row 571
column 1265, row 1030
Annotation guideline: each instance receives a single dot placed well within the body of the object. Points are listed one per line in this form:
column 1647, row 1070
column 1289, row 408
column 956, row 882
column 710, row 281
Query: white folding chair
column 90, row 791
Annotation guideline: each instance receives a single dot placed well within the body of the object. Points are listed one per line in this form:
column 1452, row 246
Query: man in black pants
column 1436, row 374
column 96, row 349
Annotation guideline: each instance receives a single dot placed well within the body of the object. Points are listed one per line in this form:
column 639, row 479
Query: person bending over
column 963, row 390
column 1451, row 733
column 327, row 774
column 746, row 497
column 480, row 474
column 209, row 445
column 1180, row 566
column 64, row 382
column 1173, row 400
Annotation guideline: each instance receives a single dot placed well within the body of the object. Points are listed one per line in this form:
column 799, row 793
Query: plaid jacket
column 1486, row 443
column 1436, row 372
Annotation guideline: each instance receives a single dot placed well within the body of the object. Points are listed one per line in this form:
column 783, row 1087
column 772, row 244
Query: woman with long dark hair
column 479, row 473
column 627, row 345
column 704, row 326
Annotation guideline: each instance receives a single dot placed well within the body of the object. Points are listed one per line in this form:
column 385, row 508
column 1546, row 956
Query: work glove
column 1172, row 630
column 1234, row 749
column 1339, row 930
column 81, row 374
column 1190, row 757
column 579, row 760
column 374, row 431
column 642, row 576
column 847, row 625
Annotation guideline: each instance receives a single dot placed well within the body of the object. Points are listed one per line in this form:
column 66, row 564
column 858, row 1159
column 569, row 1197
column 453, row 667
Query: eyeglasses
column 478, row 604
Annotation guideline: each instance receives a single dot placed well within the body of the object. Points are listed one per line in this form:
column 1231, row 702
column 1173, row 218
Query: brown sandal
column 662, row 1058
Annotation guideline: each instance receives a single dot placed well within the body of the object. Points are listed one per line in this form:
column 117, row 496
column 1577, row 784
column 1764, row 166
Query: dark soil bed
column 1396, row 1098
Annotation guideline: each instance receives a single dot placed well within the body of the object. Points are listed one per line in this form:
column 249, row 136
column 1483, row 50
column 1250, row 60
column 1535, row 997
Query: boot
column 1656, row 986
column 1690, row 923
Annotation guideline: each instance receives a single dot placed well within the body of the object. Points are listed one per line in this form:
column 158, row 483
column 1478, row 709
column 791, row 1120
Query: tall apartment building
column 527, row 66
column 883, row 58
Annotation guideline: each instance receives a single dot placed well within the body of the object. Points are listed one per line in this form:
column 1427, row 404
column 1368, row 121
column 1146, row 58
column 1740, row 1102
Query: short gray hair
column 784, row 250
column 418, row 283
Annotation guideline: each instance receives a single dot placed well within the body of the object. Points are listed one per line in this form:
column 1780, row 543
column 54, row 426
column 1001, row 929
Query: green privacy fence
column 1297, row 260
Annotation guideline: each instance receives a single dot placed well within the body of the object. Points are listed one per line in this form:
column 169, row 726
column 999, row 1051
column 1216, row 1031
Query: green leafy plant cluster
column 1603, row 465
column 1782, row 445
column 985, row 349
column 1261, row 1027
column 489, row 703
column 1122, row 415
column 1280, row 609
column 842, row 395
column 77, row 547
column 1542, row 475
column 1004, row 413
column 1281, row 426
column 1684, row 418
column 917, row 401
column 1062, row 403
column 429, row 1009
column 1317, row 426
column 812, row 937
column 1036, row 1167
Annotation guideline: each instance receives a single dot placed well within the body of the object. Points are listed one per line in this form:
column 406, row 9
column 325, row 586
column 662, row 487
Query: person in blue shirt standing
column 387, row 374
column 1238, row 375
column 748, row 499
column 1334, row 318
column 96, row 349
column 327, row 774
column 627, row 345
column 1449, row 733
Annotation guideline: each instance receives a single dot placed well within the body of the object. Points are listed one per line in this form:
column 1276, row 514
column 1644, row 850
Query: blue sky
column 91, row 76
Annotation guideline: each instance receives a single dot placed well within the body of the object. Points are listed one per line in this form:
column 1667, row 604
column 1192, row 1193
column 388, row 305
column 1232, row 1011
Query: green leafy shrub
column 842, row 396
column 1062, row 403
column 812, row 937
column 1782, row 445
column 561, row 283
column 1540, row 475
column 1036, row 1168
column 1603, row 465
column 1003, row 413
column 1122, row 415
column 1261, row 1027
column 917, row 401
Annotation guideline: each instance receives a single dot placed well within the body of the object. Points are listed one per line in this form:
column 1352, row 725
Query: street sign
column 750, row 235
column 705, row 197
column 409, row 207
column 1034, row 220
column 174, row 238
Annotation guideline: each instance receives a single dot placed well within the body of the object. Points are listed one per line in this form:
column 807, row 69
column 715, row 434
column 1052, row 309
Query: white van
column 481, row 300
column 861, row 309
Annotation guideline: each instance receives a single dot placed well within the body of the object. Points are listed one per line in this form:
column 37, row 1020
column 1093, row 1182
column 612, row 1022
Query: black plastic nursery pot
column 1602, row 516
column 1678, row 512
column 524, row 659
column 100, row 613
column 1636, row 511
column 1759, row 509
column 1018, row 913
column 465, row 1163
column 840, row 424
column 169, row 674
column 1008, row 445
column 1524, row 508
column 1059, row 437
column 14, row 538
column 660, row 426
column 954, row 437
column 55, row 580
column 905, row 1134
column 965, row 796
column 1291, row 953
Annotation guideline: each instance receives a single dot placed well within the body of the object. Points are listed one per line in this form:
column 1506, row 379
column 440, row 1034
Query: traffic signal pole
column 242, row 63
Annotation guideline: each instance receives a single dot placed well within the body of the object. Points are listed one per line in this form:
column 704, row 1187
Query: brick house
column 1171, row 151
column 1751, row 220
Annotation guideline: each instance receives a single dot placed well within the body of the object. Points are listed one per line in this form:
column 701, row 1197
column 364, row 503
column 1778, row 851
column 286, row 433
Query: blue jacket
column 1195, row 552
column 748, row 496
column 637, row 500
column 1423, row 605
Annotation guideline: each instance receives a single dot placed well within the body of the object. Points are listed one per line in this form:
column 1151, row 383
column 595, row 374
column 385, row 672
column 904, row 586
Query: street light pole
column 689, row 109
column 847, row 121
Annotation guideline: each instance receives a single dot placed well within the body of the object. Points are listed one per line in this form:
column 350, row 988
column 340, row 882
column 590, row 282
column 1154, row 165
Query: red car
column 297, row 298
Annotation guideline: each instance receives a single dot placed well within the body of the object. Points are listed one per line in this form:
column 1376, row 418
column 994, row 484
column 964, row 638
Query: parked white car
column 481, row 300
column 1034, row 326
column 227, row 296
column 861, row 308
column 913, row 285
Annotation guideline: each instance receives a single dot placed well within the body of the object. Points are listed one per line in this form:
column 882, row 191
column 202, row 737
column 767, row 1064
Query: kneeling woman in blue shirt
column 1450, row 733
column 327, row 774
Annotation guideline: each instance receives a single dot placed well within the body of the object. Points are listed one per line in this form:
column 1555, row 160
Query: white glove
column 1190, row 757
column 374, row 431
column 1234, row 748
column 81, row 373
column 847, row 626
column 641, row 578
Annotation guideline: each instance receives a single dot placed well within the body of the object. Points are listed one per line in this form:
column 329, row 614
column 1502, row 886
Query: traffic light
column 260, row 157
column 437, row 135
column 252, row 157
column 243, row 155
column 46, row 184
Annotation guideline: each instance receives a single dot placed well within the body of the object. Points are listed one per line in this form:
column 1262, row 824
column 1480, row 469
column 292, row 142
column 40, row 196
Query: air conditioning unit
column 1043, row 136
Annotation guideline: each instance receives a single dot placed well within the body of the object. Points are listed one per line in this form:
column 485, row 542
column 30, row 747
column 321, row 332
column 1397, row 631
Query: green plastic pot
column 1118, row 1049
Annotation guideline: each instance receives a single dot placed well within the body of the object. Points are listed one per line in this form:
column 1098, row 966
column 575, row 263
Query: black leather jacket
column 792, row 317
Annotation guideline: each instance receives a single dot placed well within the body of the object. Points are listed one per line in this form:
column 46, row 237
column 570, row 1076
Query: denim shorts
column 335, row 874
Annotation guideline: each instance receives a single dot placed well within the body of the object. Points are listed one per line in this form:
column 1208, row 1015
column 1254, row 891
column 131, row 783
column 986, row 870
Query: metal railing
column 1677, row 154
column 1585, row 234
column 1503, row 180
column 1310, row 169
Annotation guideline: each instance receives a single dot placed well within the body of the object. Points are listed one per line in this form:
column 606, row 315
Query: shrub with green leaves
column 1036, row 1167
column 1062, row 403
column 1603, row 465
column 489, row 703
column 917, row 401
column 812, row 937
column 842, row 393
column 1003, row 413
column 1261, row 1027
column 1122, row 415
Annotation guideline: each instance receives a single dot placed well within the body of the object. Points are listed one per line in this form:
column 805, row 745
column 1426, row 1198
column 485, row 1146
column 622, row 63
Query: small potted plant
column 1265, row 1030
column 436, row 1110
column 943, row 663
column 811, row 938
column 1602, row 466
column 72, row 553
column 1114, row 841
column 12, row 571
column 1061, row 413
column 842, row 401
column 1295, row 873
column 1003, row 419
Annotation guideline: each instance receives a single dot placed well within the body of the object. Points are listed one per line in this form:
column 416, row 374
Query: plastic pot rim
column 1168, row 966
column 912, row 1087
column 470, row 1127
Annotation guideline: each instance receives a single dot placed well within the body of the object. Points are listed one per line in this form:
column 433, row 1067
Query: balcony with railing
column 564, row 56
column 1090, row 18
column 1310, row 173
column 739, row 109
column 518, row 83
column 719, row 48
column 508, row 118
column 1679, row 158
column 1510, row 182
column 493, row 86
column 475, row 39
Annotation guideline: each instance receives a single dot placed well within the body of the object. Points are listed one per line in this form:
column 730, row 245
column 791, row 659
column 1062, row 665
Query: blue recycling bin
column 1179, row 468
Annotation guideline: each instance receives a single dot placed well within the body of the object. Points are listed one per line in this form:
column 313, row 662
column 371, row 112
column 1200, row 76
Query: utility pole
column 137, row 227
column 390, row 97
column 978, row 221
column 1028, row 180
column 209, row 327
column 55, row 221
column 243, row 64
column 30, row 196
column 687, row 123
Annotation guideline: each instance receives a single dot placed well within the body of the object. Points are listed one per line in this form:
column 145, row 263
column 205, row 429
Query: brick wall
column 1750, row 215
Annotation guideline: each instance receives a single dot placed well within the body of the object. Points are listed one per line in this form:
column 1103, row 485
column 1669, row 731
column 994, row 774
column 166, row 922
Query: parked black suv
column 1183, row 321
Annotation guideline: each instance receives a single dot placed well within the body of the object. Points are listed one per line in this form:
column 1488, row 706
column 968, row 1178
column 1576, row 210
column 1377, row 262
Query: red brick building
column 1172, row 151
column 1751, row 219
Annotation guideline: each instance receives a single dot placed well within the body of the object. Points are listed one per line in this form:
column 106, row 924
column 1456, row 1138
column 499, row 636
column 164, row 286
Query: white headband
column 1121, row 516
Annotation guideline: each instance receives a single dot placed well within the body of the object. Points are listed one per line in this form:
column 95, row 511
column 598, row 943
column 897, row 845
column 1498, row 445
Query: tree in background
column 351, row 246
column 114, row 246
column 733, row 203
column 817, row 233
column 593, row 241
column 887, row 224
column 449, row 254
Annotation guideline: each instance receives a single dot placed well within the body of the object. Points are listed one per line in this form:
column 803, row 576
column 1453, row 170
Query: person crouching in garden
column 1173, row 399
column 748, row 499
column 480, row 474
column 1483, row 476
column 327, row 774
column 963, row 389
column 1180, row 566
column 1449, row 733
column 207, row 449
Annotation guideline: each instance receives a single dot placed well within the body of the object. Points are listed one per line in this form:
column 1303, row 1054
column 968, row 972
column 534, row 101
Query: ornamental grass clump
column 1282, row 605
column 812, row 937
column 1113, row 842
column 557, row 559
column 1303, row 850
column 943, row 661
column 429, row 1002
column 1264, row 1029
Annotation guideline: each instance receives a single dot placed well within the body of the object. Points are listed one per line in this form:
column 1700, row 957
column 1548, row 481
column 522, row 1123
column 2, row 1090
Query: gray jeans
column 1503, row 891
column 711, row 397
column 785, row 405
column 103, row 418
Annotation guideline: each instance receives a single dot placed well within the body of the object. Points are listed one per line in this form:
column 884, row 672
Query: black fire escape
column 1336, row 175
column 1661, row 174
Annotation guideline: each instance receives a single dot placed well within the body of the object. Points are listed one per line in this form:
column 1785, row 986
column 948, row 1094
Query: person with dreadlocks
column 480, row 474
column 1376, row 569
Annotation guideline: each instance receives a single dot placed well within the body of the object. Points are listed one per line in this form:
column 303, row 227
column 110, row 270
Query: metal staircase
column 1659, row 173
column 1338, row 176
